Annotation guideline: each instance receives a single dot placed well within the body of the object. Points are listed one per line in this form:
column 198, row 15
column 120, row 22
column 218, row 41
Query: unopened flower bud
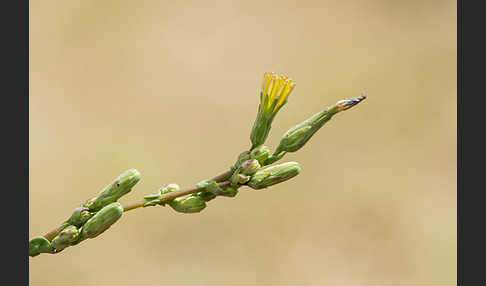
column 64, row 239
column 274, row 175
column 260, row 153
column 79, row 216
column 249, row 167
column 102, row 220
column 115, row 190
column 38, row 245
column 191, row 204
column 244, row 156
column 206, row 196
column 229, row 192
column 210, row 186
column 296, row 137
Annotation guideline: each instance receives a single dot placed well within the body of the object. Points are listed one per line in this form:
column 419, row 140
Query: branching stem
column 167, row 197
column 172, row 195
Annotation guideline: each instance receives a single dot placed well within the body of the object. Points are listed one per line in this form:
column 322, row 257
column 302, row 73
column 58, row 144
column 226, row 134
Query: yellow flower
column 275, row 91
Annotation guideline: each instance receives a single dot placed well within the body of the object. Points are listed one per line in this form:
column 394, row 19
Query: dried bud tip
column 348, row 103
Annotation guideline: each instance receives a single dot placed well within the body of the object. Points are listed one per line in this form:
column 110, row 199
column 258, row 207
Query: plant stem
column 224, row 176
column 172, row 195
column 219, row 178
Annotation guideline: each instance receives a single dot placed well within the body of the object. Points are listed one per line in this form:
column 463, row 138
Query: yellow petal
column 269, row 92
column 264, row 81
column 289, row 86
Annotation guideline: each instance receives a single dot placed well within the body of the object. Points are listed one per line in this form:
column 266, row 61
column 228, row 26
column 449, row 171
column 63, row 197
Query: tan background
column 171, row 88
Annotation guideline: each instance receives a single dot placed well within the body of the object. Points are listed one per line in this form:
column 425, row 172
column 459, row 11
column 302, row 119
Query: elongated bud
column 296, row 137
column 79, row 216
column 191, row 204
column 115, row 190
column 102, row 220
column 38, row 245
column 274, row 175
column 249, row 167
column 260, row 153
column 65, row 238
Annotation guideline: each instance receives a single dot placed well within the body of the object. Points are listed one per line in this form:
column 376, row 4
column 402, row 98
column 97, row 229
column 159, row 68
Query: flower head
column 274, row 94
column 275, row 91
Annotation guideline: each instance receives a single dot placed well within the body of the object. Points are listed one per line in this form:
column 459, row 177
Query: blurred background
column 171, row 88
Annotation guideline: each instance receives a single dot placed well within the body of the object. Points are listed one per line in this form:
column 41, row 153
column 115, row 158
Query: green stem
column 223, row 177
column 219, row 178
column 172, row 195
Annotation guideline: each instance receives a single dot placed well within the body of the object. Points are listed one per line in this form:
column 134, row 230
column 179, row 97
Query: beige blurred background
column 171, row 88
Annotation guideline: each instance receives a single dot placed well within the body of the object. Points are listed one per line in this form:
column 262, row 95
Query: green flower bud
column 274, row 175
column 38, row 245
column 111, row 193
column 205, row 195
column 244, row 156
column 102, row 220
column 296, row 137
column 249, row 167
column 191, row 204
column 229, row 192
column 260, row 153
column 213, row 188
column 65, row 238
column 79, row 216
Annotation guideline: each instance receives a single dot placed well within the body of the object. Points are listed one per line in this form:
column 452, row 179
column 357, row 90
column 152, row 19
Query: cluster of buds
column 191, row 204
column 248, row 173
column 89, row 220
column 251, row 169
